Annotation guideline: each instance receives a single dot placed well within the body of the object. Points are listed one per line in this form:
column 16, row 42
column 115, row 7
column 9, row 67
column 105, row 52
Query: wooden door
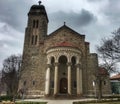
column 63, row 85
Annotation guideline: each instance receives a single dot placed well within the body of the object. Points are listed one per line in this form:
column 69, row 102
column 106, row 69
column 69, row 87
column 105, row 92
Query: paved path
column 60, row 102
column 57, row 101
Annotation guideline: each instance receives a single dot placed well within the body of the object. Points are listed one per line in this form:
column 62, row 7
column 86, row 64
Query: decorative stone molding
column 69, row 52
column 65, row 49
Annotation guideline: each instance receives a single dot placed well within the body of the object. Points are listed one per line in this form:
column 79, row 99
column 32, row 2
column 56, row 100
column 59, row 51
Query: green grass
column 99, row 102
column 104, row 103
column 25, row 102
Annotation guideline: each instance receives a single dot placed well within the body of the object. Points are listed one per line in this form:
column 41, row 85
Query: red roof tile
column 115, row 77
column 65, row 44
column 103, row 71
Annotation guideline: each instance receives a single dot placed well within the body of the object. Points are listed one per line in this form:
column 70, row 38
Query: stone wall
column 92, row 68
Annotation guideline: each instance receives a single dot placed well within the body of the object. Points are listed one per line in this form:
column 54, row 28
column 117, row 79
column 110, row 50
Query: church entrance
column 63, row 86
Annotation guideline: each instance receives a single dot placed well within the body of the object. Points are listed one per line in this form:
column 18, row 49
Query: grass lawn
column 25, row 102
column 99, row 102
column 103, row 103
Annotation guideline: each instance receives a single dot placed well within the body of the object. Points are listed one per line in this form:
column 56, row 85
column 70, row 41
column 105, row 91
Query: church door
column 63, row 86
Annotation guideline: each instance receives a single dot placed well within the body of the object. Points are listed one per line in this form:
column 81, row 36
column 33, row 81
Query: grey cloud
column 9, row 37
column 75, row 19
column 13, row 12
column 8, row 43
column 6, row 31
column 94, row 0
column 112, row 11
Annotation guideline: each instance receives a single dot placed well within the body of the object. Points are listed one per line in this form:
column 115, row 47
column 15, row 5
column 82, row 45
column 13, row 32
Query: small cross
column 39, row 2
column 64, row 23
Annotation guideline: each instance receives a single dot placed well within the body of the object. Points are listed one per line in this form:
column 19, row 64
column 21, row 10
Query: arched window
column 63, row 59
column 34, row 39
column 73, row 60
column 35, row 23
column 52, row 60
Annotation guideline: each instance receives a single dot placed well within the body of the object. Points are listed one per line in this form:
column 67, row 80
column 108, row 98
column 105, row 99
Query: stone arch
column 52, row 60
column 73, row 60
column 63, row 68
column 62, row 53
column 63, row 59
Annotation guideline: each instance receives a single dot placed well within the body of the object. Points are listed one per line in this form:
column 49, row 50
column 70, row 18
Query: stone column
column 56, row 79
column 79, row 80
column 69, row 78
column 47, row 84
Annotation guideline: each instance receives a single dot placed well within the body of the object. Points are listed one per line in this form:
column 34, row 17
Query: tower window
column 24, row 83
column 33, row 83
column 104, row 82
column 36, row 39
column 32, row 42
column 35, row 23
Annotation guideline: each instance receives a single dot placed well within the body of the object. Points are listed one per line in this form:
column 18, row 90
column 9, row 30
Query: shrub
column 107, row 101
column 5, row 98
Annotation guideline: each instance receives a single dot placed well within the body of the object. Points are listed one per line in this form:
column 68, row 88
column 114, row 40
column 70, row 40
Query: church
column 57, row 64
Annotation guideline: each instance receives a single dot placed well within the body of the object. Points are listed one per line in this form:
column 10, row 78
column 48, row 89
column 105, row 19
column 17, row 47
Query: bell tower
column 33, row 68
column 37, row 25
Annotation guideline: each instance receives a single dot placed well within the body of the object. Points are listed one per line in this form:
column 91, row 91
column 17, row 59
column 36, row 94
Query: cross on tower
column 39, row 2
column 64, row 23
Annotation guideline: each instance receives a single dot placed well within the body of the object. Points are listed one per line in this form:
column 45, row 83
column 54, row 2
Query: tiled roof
column 103, row 71
column 115, row 77
column 65, row 44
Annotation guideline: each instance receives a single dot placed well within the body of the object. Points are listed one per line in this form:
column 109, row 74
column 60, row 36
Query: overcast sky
column 94, row 18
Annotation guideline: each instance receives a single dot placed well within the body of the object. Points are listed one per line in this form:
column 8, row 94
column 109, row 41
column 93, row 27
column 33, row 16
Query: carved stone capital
column 69, row 64
column 48, row 65
column 56, row 64
column 78, row 65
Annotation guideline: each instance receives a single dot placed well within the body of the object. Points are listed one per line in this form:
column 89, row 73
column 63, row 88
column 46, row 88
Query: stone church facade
column 56, row 64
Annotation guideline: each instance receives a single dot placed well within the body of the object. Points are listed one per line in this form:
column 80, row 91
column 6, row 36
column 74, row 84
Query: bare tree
column 1, row 84
column 109, row 51
column 10, row 73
